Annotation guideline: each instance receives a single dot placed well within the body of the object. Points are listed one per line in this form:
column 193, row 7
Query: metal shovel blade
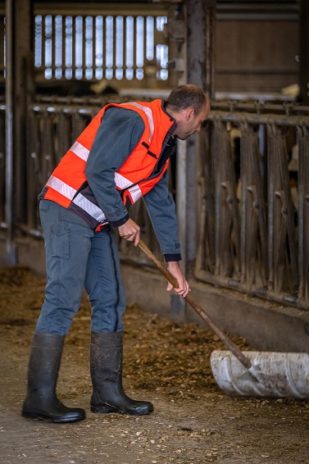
column 277, row 375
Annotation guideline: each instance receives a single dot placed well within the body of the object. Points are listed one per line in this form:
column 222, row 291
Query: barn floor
column 193, row 422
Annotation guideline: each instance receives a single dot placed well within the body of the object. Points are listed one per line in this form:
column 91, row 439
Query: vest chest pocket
column 60, row 241
column 150, row 153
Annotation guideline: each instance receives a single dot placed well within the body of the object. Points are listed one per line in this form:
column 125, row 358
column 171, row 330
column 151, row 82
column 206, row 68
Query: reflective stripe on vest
column 79, row 150
column 92, row 209
column 149, row 115
column 61, row 187
column 83, row 203
column 135, row 193
column 121, row 181
column 79, row 200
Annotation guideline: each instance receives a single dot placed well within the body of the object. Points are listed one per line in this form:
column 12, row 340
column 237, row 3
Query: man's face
column 189, row 123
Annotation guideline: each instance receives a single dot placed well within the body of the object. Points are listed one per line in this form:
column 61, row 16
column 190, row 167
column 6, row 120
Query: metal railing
column 2, row 166
column 253, row 210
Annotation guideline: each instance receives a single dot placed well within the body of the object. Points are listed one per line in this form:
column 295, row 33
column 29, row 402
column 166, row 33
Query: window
column 96, row 47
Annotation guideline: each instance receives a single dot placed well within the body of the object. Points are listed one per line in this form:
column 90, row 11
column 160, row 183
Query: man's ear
column 189, row 113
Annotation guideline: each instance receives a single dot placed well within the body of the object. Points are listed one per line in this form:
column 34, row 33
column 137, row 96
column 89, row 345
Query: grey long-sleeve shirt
column 115, row 140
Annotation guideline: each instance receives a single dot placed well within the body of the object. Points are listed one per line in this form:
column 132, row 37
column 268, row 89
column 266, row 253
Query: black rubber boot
column 41, row 401
column 106, row 374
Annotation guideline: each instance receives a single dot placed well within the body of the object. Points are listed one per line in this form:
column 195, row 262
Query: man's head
column 189, row 106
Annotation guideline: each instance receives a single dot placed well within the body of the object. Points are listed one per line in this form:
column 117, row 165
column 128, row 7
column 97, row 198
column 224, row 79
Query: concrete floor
column 214, row 429
column 167, row 363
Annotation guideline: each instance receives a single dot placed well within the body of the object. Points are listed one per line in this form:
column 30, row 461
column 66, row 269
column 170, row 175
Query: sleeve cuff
column 172, row 257
column 120, row 221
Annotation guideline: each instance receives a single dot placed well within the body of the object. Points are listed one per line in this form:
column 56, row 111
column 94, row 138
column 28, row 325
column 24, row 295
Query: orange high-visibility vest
column 135, row 176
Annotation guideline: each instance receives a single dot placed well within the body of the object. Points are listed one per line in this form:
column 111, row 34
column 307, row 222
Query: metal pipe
column 260, row 107
column 30, row 231
column 280, row 120
column 265, row 294
column 9, row 142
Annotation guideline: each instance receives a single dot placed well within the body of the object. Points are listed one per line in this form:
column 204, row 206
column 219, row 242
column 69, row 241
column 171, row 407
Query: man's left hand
column 183, row 287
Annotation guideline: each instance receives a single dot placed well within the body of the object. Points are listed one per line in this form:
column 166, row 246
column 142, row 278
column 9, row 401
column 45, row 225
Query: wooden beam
column 22, row 83
column 200, row 63
column 304, row 52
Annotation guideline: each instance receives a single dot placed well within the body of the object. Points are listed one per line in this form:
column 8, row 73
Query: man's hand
column 183, row 287
column 130, row 231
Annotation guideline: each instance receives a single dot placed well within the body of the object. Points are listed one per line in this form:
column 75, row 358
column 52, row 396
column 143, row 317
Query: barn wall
column 256, row 55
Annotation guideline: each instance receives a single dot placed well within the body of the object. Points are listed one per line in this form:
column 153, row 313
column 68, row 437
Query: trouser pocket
column 60, row 241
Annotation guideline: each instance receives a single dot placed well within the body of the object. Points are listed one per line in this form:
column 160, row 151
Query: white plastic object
column 273, row 374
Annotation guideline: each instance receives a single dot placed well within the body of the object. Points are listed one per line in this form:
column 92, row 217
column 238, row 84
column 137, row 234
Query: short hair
column 185, row 96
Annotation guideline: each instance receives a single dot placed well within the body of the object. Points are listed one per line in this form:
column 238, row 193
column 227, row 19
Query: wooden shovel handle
column 197, row 308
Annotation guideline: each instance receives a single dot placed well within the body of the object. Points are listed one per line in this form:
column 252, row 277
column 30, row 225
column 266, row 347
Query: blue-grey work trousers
column 78, row 258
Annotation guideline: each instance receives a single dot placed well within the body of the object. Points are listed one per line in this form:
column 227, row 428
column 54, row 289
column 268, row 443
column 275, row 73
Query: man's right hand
column 130, row 231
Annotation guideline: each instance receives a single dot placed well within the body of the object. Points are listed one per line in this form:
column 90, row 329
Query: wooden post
column 192, row 33
column 22, row 86
column 304, row 52
column 200, row 64
column 17, row 94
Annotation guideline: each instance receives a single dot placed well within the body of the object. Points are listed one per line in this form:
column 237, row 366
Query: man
column 121, row 156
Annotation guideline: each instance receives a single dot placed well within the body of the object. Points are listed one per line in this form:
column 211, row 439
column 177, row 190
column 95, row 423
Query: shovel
column 265, row 374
